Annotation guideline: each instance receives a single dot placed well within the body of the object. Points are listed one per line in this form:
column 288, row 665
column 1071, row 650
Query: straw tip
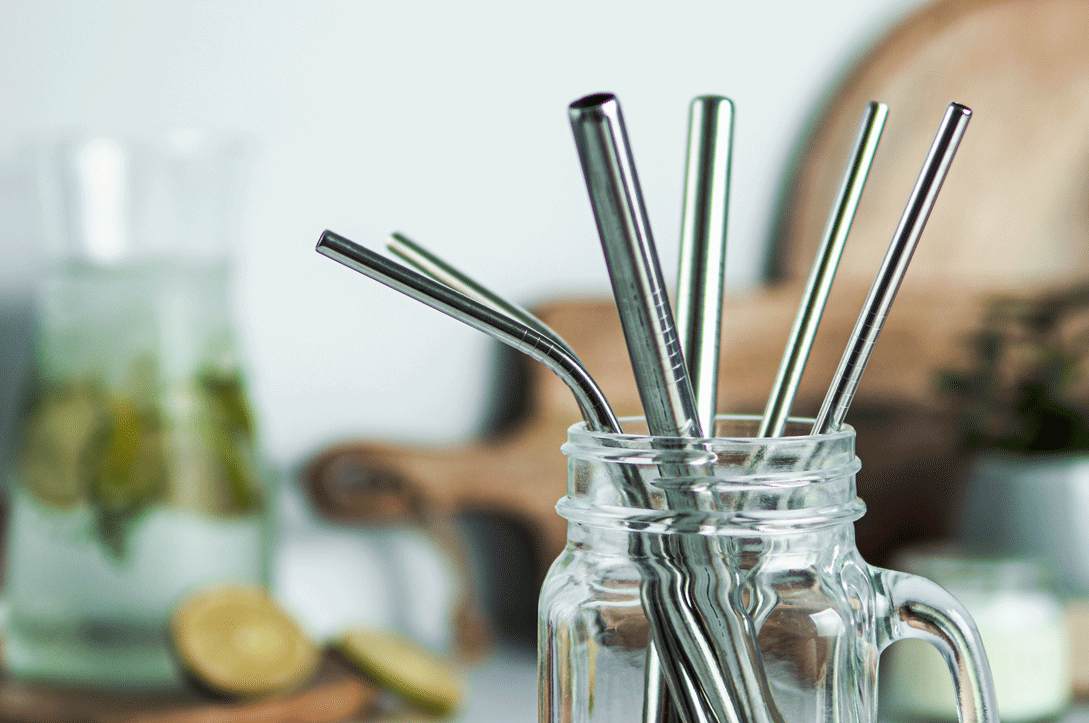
column 593, row 100
column 712, row 100
column 591, row 104
column 327, row 239
column 957, row 108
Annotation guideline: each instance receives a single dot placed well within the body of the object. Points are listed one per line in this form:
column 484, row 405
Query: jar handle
column 914, row 607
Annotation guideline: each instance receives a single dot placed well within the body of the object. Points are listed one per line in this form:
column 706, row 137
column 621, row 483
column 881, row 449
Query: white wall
column 443, row 120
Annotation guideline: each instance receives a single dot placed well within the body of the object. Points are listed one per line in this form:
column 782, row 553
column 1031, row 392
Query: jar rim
column 808, row 476
column 828, row 453
column 581, row 431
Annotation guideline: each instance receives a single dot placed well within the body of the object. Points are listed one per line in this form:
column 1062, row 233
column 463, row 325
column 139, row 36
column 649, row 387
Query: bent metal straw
column 493, row 323
column 529, row 341
column 428, row 263
column 883, row 291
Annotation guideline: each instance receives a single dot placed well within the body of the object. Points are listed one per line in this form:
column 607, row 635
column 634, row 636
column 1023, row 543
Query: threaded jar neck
column 733, row 484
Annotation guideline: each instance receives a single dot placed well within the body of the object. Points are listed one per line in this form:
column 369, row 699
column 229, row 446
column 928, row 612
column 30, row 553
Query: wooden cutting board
column 1013, row 214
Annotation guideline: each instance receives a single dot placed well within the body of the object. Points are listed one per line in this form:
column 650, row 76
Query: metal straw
column 702, row 269
column 891, row 273
column 428, row 263
column 647, row 320
column 493, row 323
column 819, row 285
column 701, row 275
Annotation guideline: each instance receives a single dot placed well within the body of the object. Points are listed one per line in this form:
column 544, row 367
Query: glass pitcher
column 782, row 513
column 136, row 477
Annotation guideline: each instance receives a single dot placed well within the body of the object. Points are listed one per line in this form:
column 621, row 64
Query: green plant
column 1025, row 386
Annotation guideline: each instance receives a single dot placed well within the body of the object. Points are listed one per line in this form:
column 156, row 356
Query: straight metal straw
column 638, row 286
column 885, row 285
column 428, row 263
column 700, row 281
column 661, row 378
column 819, row 284
column 702, row 269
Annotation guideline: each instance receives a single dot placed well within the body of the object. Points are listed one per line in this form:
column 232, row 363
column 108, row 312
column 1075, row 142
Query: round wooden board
column 335, row 696
column 1015, row 206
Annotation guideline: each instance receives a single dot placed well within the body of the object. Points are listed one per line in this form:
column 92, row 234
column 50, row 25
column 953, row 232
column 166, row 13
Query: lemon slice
column 417, row 675
column 237, row 640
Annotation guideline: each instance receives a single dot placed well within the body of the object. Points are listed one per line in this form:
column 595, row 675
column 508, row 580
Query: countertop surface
column 503, row 687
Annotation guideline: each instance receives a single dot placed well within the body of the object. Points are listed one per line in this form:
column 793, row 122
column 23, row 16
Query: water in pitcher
column 136, row 476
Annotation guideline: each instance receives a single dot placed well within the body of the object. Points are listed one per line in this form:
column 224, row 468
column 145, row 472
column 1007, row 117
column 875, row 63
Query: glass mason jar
column 136, row 476
column 777, row 512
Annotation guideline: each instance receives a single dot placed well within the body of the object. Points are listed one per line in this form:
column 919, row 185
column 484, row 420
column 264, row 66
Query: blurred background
column 447, row 122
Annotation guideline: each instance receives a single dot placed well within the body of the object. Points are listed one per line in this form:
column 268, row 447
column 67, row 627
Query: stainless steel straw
column 885, row 285
column 494, row 323
column 640, row 292
column 428, row 263
column 702, row 268
column 707, row 648
column 700, row 281
column 824, row 270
